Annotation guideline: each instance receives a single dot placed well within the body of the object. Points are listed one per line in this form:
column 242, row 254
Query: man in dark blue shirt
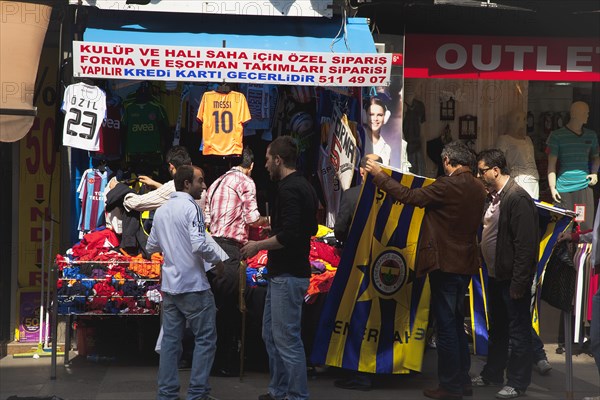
column 344, row 217
column 292, row 225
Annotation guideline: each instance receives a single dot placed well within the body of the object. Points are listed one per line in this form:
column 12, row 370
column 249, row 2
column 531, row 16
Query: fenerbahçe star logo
column 389, row 272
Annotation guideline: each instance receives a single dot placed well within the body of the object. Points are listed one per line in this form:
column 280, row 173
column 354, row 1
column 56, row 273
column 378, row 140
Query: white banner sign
column 285, row 8
column 204, row 64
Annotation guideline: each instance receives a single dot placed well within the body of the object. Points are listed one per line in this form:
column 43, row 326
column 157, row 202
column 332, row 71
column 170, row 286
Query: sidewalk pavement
column 136, row 380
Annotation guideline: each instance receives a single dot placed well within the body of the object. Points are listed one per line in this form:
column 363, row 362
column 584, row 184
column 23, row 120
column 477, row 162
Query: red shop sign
column 503, row 58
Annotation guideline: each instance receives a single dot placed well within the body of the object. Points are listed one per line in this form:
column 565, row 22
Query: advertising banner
column 502, row 58
column 203, row 64
column 39, row 179
column 271, row 8
column 29, row 316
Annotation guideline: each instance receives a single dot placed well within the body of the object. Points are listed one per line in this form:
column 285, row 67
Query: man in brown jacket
column 447, row 251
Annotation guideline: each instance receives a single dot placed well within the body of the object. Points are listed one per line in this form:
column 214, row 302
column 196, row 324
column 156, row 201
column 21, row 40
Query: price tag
column 580, row 211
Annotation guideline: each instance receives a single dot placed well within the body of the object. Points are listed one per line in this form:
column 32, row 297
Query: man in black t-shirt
column 344, row 217
column 293, row 223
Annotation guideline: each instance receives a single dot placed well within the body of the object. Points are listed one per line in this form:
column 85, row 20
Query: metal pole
column 49, row 279
column 52, row 274
column 568, row 355
column 54, row 324
column 41, row 321
column 242, row 276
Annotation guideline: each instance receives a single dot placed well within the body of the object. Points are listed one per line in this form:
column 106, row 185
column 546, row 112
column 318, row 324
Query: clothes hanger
column 144, row 93
column 223, row 88
column 87, row 81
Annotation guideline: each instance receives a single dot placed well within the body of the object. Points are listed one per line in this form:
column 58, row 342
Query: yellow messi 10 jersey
column 223, row 116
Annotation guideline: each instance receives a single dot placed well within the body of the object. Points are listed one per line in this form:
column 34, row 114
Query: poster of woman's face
column 375, row 117
column 388, row 101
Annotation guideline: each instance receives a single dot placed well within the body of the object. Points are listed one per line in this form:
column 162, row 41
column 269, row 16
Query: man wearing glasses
column 509, row 245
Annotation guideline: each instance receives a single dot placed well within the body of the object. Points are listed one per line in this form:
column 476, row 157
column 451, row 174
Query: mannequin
column 414, row 116
column 519, row 153
column 572, row 147
column 377, row 115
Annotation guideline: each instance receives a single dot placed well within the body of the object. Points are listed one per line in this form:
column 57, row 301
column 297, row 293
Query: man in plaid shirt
column 229, row 211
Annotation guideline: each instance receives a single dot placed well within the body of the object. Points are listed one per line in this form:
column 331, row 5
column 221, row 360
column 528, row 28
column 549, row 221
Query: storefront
column 471, row 85
column 292, row 76
column 298, row 60
column 509, row 93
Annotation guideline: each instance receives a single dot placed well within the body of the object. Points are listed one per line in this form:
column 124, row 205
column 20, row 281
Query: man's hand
column 372, row 167
column 264, row 232
column 265, row 221
column 515, row 295
column 146, row 180
column 555, row 195
column 250, row 249
column 564, row 236
column 219, row 268
column 592, row 178
column 113, row 182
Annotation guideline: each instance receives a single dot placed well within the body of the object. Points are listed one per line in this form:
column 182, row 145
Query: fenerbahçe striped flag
column 553, row 221
column 375, row 316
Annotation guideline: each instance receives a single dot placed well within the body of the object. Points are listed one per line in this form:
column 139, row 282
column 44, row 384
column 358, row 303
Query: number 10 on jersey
column 223, row 121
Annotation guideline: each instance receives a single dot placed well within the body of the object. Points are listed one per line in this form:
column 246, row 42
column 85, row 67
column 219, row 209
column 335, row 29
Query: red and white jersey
column 91, row 193
column 110, row 130
column 223, row 116
column 85, row 109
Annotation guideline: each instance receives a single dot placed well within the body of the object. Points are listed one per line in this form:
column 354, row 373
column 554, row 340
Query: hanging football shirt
column 144, row 122
column 262, row 100
column 194, row 98
column 223, row 116
column 85, row 109
column 91, row 193
column 110, row 131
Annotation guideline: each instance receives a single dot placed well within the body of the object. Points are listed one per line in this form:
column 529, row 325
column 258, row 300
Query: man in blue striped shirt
column 179, row 233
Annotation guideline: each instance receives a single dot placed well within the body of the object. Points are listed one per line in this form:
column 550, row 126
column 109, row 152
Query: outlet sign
column 503, row 58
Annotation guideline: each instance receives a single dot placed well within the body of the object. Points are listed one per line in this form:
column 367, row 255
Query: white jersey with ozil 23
column 85, row 109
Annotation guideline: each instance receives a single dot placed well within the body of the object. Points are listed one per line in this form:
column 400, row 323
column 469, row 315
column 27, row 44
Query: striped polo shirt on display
column 574, row 153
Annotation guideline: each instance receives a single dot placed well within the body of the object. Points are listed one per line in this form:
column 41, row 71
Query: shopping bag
column 560, row 277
